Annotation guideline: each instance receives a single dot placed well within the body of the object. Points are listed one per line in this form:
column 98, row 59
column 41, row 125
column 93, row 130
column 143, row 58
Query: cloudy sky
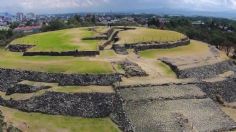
column 62, row 6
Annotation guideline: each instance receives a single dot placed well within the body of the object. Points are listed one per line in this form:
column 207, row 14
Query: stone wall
column 66, row 53
column 132, row 69
column 112, row 34
column 19, row 47
column 24, row 48
column 101, row 37
column 119, row 116
column 119, row 49
column 23, row 88
column 157, row 45
column 9, row 77
column 225, row 89
column 208, row 70
column 88, row 105
column 203, row 72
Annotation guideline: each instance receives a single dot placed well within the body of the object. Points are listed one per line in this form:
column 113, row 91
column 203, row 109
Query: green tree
column 56, row 24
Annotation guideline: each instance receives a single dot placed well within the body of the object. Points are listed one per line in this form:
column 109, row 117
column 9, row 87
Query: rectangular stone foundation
column 201, row 115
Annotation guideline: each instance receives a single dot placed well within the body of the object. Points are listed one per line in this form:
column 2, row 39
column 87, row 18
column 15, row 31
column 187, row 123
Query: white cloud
column 57, row 4
column 204, row 5
column 43, row 5
column 49, row 6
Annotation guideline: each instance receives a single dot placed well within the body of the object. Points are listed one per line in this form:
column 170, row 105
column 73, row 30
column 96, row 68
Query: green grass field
column 62, row 40
column 147, row 34
column 53, row 64
column 195, row 47
column 36, row 122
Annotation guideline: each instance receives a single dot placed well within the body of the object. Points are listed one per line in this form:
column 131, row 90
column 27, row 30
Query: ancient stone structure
column 226, row 89
column 9, row 77
column 131, row 69
column 19, row 47
column 112, row 35
column 65, row 53
column 23, row 88
column 89, row 105
column 119, row 49
column 24, row 48
column 119, row 116
column 101, row 37
column 202, row 72
column 157, row 45
column 173, row 108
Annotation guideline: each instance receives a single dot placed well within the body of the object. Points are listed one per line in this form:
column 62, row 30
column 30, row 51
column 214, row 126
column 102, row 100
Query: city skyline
column 68, row 6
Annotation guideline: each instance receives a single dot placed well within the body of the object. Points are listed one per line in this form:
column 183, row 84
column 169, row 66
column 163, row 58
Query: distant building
column 4, row 28
column 28, row 29
column 30, row 16
column 198, row 23
column 19, row 16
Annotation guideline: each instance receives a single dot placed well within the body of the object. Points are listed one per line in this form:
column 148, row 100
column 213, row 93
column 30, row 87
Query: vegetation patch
column 195, row 47
column 55, row 88
column 107, row 53
column 62, row 40
column 53, row 64
column 166, row 69
column 147, row 35
column 83, row 89
column 35, row 122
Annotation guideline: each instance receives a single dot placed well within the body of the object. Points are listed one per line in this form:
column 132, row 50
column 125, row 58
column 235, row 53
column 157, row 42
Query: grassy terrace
column 36, row 122
column 147, row 34
column 195, row 47
column 62, row 40
column 56, row 88
column 53, row 64
column 166, row 70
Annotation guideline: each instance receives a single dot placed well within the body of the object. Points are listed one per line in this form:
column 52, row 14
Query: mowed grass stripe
column 195, row 47
column 62, row 40
column 36, row 122
column 147, row 35
column 68, row 65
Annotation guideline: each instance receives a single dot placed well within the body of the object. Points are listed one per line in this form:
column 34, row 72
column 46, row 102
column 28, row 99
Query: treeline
column 75, row 21
column 215, row 31
column 6, row 36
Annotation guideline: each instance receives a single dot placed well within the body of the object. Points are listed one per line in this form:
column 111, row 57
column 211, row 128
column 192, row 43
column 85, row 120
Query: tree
column 153, row 22
column 56, row 24
column 75, row 21
column 217, row 40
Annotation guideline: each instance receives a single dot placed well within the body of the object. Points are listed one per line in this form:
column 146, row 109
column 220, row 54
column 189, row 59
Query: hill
column 115, row 79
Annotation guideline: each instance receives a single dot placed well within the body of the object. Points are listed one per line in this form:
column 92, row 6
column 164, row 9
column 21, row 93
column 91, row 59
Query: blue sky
column 62, row 6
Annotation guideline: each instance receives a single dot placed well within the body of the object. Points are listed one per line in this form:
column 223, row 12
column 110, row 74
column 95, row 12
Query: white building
column 5, row 28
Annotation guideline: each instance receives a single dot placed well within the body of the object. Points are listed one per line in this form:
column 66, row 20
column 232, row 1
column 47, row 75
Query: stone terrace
column 173, row 108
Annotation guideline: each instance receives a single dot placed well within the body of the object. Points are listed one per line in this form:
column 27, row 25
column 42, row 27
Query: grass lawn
column 107, row 53
column 83, row 89
column 71, row 89
column 56, row 88
column 147, row 34
column 167, row 71
column 36, row 122
column 62, row 40
column 195, row 47
column 53, row 64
